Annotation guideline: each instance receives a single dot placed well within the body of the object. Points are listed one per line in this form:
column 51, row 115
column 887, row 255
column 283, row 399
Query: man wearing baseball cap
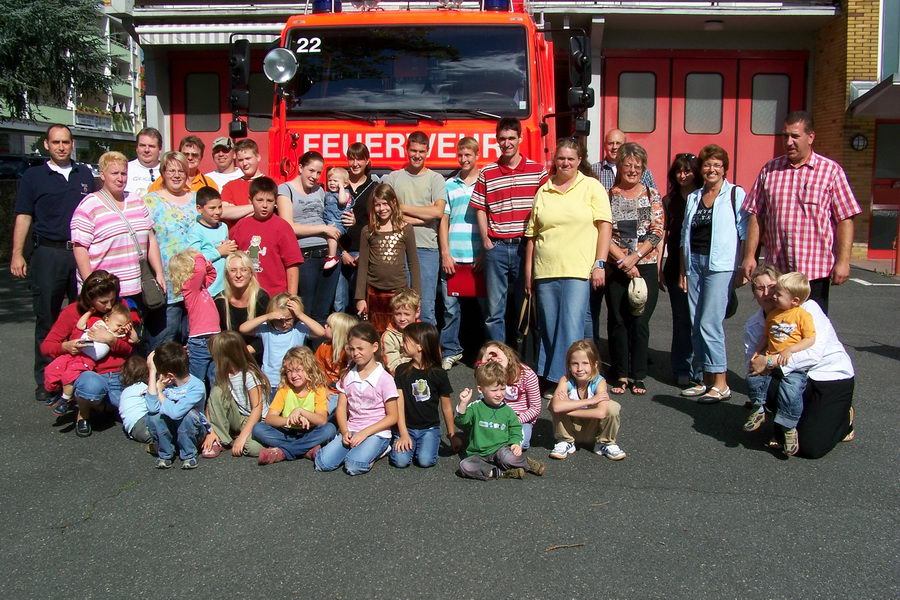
column 223, row 157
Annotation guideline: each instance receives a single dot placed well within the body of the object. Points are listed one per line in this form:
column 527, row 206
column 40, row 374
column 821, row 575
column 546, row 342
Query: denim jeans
column 425, row 444
column 188, row 432
column 96, row 388
column 790, row 396
column 527, row 428
column 346, row 286
column 707, row 299
column 293, row 442
column 165, row 324
column 681, row 350
column 140, row 432
column 429, row 267
column 452, row 315
column 317, row 288
column 561, row 306
column 502, row 274
column 200, row 361
column 356, row 460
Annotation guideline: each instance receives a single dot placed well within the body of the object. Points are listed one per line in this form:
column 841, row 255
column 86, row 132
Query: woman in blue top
column 714, row 226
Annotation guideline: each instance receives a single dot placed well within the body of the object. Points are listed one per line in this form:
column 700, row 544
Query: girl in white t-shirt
column 239, row 399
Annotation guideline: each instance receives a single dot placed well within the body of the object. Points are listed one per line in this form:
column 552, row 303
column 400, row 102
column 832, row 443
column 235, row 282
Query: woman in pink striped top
column 523, row 390
column 101, row 237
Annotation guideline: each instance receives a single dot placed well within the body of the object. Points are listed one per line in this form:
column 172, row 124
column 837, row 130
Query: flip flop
column 638, row 388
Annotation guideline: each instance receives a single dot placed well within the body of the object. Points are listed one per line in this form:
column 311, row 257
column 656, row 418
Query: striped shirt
column 100, row 230
column 524, row 395
column 507, row 196
column 798, row 208
column 464, row 238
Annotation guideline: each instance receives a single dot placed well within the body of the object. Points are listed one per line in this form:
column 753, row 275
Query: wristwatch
column 599, row 264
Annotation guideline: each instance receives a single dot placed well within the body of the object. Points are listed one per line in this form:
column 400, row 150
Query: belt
column 64, row 244
column 514, row 240
column 315, row 252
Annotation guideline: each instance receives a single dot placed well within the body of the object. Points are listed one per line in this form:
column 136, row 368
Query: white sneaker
column 561, row 450
column 610, row 451
column 449, row 361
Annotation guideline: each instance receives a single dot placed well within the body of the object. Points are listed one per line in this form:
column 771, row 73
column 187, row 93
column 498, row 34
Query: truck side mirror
column 580, row 95
column 239, row 61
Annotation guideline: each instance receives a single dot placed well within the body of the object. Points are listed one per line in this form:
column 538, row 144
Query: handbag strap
column 111, row 204
column 524, row 317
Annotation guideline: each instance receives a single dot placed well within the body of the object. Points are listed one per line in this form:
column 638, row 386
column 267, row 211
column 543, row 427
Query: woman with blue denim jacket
column 711, row 235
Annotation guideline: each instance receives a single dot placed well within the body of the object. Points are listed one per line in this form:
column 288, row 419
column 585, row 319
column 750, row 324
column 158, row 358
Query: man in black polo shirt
column 47, row 197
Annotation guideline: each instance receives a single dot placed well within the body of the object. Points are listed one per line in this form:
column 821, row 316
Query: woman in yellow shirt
column 566, row 243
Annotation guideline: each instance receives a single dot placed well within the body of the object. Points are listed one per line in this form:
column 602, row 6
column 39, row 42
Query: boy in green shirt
column 495, row 434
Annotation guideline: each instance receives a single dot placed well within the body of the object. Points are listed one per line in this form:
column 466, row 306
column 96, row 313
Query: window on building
column 887, row 149
column 769, row 104
column 637, row 102
column 201, row 102
column 261, row 94
column 703, row 103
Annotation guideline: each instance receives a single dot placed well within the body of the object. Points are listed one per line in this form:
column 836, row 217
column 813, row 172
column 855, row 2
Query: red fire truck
column 374, row 75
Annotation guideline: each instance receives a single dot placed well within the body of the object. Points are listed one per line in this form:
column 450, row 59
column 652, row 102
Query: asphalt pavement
column 697, row 510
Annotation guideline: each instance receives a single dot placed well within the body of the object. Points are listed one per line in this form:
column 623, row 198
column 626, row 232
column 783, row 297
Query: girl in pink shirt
column 523, row 390
column 366, row 410
column 191, row 275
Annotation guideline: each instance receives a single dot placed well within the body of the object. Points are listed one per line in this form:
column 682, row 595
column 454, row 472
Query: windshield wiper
column 339, row 113
column 474, row 111
column 422, row 116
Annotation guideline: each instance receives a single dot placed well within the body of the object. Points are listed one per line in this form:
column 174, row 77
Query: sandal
column 695, row 390
column 773, row 444
column 714, row 395
column 850, row 433
column 638, row 388
column 619, row 388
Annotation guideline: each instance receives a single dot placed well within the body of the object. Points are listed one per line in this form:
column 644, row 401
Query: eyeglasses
column 284, row 321
column 192, row 154
column 763, row 289
column 685, row 155
column 716, row 166
column 174, row 171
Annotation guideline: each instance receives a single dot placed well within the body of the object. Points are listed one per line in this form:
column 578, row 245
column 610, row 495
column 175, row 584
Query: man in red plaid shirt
column 802, row 207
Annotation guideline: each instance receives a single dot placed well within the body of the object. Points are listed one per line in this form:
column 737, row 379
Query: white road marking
column 861, row 282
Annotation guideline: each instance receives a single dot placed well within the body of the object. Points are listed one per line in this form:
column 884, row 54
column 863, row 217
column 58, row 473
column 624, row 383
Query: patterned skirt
column 379, row 307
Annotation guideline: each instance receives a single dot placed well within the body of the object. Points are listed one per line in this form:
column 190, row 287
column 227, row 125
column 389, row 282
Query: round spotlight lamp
column 280, row 65
column 713, row 25
column 859, row 142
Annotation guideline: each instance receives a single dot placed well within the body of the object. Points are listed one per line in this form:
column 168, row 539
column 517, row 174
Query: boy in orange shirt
column 789, row 329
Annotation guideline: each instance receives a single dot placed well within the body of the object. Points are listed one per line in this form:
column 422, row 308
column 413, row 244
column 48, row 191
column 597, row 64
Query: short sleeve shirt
column 422, row 391
column 272, row 248
column 465, row 240
column 366, row 398
column 798, row 208
column 507, row 196
column 172, row 225
column 424, row 189
column 99, row 229
column 241, row 384
column 564, row 230
column 276, row 344
column 50, row 198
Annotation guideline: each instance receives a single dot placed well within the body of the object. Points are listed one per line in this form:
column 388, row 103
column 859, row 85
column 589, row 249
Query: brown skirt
column 379, row 307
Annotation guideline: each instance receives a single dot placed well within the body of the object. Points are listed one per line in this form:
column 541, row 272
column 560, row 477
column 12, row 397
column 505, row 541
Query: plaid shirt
column 798, row 208
column 606, row 173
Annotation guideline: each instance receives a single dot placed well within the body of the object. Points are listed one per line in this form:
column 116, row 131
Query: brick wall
column 847, row 50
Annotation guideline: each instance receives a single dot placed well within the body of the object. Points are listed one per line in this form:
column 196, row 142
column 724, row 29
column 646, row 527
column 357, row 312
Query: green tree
column 46, row 48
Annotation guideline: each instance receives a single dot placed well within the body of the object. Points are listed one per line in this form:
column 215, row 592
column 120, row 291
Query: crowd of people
column 225, row 311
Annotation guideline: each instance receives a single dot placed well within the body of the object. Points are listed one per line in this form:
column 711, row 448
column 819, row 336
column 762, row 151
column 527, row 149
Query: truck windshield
column 444, row 71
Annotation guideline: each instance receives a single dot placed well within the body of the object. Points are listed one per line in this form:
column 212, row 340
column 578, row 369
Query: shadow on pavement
column 881, row 350
column 15, row 298
column 720, row 421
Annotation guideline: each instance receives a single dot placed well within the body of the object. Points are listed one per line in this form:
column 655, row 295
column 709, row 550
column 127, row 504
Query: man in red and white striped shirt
column 802, row 206
column 503, row 198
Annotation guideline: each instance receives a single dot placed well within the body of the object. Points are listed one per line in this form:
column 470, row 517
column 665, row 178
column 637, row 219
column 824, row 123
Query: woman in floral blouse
column 637, row 213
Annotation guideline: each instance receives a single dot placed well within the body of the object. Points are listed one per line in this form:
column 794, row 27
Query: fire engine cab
column 373, row 76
